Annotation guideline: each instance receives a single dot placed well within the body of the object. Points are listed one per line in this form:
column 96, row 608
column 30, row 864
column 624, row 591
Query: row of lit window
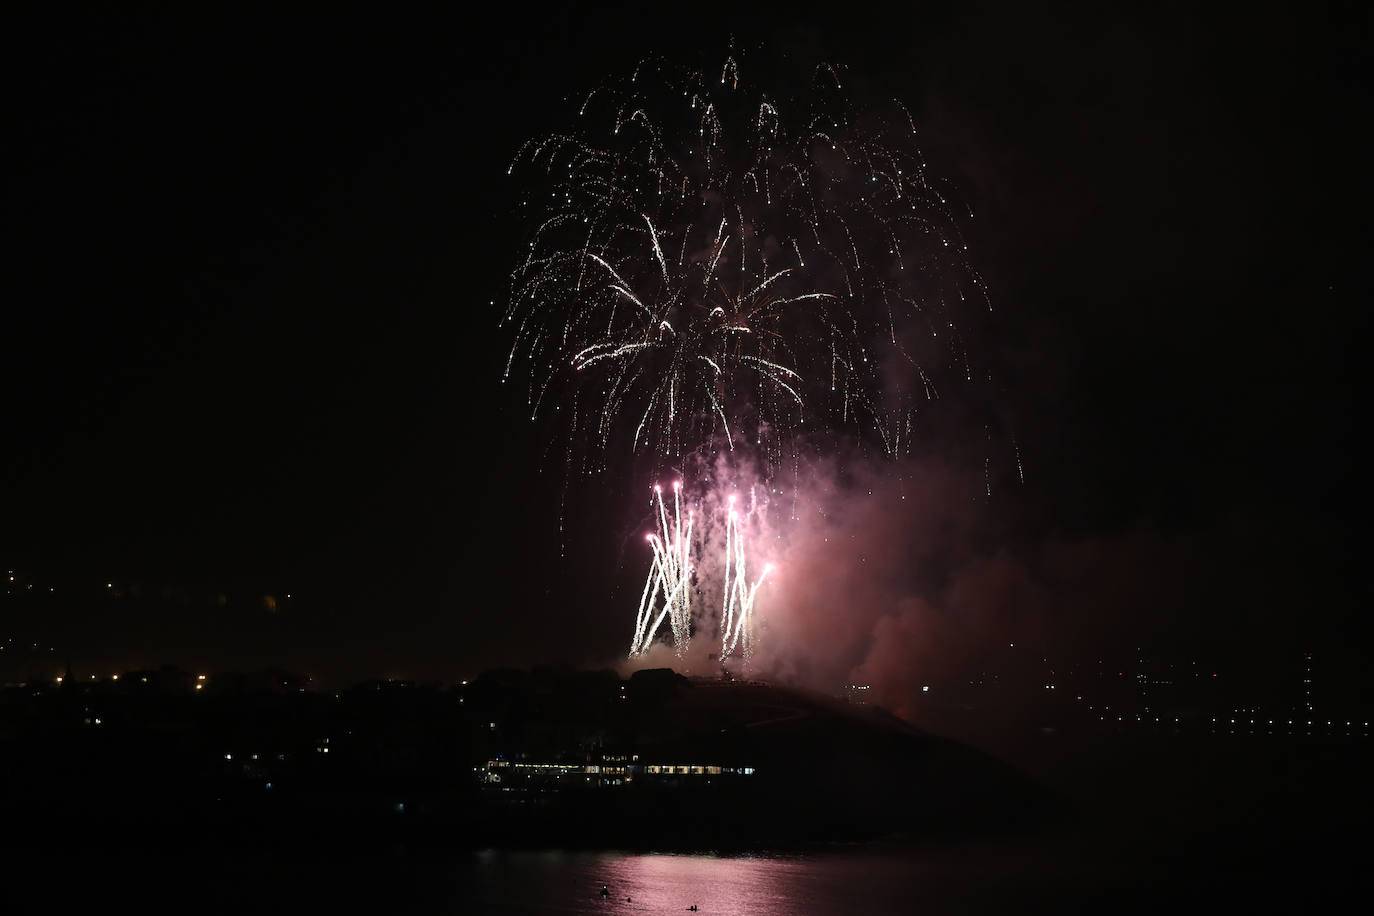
column 659, row 769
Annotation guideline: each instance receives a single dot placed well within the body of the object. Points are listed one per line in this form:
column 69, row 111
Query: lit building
column 608, row 770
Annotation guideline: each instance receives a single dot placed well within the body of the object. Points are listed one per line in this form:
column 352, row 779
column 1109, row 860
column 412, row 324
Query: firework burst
column 715, row 267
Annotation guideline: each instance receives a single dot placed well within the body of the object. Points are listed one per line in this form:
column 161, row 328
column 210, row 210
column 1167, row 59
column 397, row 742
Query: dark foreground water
column 1087, row 868
column 1084, row 868
column 1164, row 826
column 879, row 879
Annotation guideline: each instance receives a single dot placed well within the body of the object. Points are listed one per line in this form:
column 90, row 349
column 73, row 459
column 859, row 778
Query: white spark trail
column 737, row 610
column 658, row 252
column 669, row 579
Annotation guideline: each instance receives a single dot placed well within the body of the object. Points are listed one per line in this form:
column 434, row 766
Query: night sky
column 249, row 350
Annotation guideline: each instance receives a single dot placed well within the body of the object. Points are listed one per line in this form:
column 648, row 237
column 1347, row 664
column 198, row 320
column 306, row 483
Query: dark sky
column 248, row 346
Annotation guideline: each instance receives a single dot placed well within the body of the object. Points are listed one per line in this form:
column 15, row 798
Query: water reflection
column 869, row 881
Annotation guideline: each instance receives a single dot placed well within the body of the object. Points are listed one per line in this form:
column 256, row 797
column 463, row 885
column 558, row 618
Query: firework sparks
column 713, row 267
column 667, row 592
column 737, row 611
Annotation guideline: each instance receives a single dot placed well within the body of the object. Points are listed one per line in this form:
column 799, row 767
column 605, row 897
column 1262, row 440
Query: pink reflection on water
column 667, row 883
column 763, row 885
